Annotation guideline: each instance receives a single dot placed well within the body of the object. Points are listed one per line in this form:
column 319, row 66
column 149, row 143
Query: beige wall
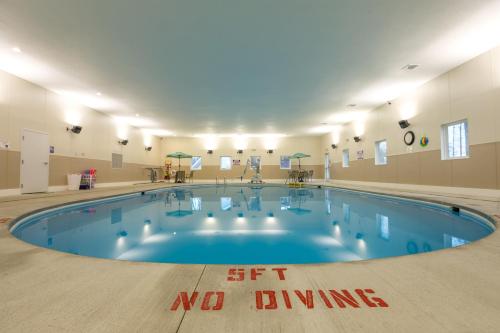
column 470, row 91
column 427, row 168
column 256, row 146
column 26, row 105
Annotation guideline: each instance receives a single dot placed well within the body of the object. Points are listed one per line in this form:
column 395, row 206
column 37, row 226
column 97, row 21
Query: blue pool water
column 251, row 225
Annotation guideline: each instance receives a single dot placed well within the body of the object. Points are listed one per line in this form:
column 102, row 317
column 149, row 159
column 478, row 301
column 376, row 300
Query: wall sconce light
column 357, row 139
column 239, row 151
column 210, row 152
column 270, row 151
column 148, row 148
column 122, row 233
column 123, row 142
column 74, row 129
column 334, row 146
column 404, row 123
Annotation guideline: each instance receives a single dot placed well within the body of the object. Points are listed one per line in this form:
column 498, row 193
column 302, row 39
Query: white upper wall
column 470, row 91
column 26, row 105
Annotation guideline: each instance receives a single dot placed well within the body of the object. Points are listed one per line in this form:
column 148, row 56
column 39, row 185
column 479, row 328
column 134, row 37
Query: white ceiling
column 226, row 66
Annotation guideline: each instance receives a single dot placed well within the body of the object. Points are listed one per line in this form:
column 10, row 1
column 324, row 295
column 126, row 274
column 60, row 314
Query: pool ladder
column 217, row 181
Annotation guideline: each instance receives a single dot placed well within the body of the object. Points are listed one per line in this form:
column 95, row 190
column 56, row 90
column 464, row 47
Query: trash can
column 74, row 182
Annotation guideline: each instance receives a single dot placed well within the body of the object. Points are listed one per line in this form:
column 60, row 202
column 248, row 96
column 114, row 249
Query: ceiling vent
column 409, row 67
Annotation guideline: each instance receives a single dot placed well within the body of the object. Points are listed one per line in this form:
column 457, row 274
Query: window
column 225, row 162
column 226, row 203
column 383, row 226
column 454, row 140
column 196, row 163
column 116, row 161
column 346, row 211
column 254, row 204
column 285, row 202
column 452, row 241
column 196, row 204
column 285, row 163
column 327, row 166
column 345, row 158
column 328, row 206
column 381, row 152
column 254, row 162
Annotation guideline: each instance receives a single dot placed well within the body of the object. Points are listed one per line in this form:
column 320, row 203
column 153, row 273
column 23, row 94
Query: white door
column 34, row 161
column 327, row 166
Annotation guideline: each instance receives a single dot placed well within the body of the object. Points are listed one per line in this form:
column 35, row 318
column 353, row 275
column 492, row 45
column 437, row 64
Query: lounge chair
column 180, row 177
column 189, row 177
column 311, row 172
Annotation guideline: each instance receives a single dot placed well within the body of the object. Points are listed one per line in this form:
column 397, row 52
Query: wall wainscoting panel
column 10, row 169
column 61, row 166
column 480, row 170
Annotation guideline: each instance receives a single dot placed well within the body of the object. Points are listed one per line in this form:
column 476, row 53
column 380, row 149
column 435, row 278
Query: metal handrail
column 217, row 180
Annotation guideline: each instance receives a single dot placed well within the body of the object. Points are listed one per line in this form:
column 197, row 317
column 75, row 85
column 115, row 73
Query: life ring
column 409, row 138
column 424, row 141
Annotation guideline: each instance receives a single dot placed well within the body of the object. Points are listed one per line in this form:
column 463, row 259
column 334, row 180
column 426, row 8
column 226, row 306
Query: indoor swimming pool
column 271, row 224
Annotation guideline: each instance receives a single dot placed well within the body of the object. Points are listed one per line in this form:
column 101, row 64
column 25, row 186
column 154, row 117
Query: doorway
column 34, row 161
column 327, row 166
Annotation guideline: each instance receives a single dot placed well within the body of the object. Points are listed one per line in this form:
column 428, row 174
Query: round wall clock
column 409, row 138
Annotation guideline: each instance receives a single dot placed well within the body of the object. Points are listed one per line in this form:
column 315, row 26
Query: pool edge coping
column 480, row 213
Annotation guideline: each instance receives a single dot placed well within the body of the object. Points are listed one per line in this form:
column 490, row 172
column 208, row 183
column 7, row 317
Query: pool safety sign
column 282, row 299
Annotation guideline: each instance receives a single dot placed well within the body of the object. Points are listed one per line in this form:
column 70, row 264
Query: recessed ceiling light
column 16, row 49
column 137, row 115
column 351, row 105
column 323, row 123
column 98, row 93
column 409, row 67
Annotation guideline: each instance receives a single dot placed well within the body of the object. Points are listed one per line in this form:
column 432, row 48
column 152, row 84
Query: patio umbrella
column 299, row 156
column 179, row 155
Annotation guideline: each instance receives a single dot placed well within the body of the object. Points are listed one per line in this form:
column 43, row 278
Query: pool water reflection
column 251, row 225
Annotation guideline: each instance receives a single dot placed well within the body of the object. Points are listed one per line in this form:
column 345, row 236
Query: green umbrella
column 179, row 155
column 299, row 156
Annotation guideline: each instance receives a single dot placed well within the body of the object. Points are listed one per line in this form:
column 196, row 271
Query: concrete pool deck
column 453, row 290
